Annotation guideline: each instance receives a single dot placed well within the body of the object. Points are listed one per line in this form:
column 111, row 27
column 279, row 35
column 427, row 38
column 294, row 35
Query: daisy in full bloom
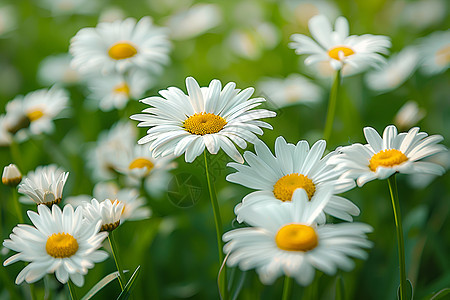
column 435, row 52
column 120, row 46
column 209, row 117
column 36, row 110
column 286, row 240
column 107, row 211
column 59, row 242
column 44, row 185
column 293, row 167
column 337, row 47
column 383, row 157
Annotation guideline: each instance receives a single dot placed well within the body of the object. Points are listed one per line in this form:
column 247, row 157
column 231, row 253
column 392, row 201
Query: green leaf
column 130, row 285
column 409, row 290
column 439, row 295
column 101, row 284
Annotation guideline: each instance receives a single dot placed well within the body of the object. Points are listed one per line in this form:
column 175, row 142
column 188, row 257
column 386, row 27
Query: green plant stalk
column 332, row 106
column 218, row 221
column 287, row 288
column 17, row 206
column 401, row 244
column 112, row 243
column 73, row 296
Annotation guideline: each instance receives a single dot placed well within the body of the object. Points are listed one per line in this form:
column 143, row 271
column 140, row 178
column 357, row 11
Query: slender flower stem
column 112, row 243
column 401, row 244
column 73, row 296
column 17, row 206
column 218, row 222
column 287, row 288
column 332, row 106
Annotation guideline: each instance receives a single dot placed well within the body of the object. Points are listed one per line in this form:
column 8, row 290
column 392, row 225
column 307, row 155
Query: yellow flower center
column 61, row 245
column 140, row 163
column 296, row 237
column 122, row 50
column 443, row 56
column 122, row 88
column 387, row 158
column 204, row 123
column 286, row 185
column 110, row 226
column 334, row 52
column 35, row 115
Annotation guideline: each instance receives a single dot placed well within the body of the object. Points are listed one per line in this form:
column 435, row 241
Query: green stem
column 17, row 206
column 73, row 296
column 112, row 243
column 332, row 106
column 287, row 288
column 401, row 244
column 15, row 154
column 218, row 221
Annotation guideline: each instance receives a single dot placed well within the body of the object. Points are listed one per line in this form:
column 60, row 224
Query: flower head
column 108, row 212
column 59, row 242
column 11, row 175
column 393, row 153
column 209, row 117
column 435, row 52
column 337, row 47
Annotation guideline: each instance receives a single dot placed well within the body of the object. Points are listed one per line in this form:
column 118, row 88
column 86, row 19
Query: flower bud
column 11, row 175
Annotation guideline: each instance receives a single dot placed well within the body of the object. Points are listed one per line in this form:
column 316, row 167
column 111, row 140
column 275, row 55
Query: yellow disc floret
column 61, row 245
column 140, row 163
column 122, row 50
column 387, row 158
column 204, row 123
column 35, row 115
column 286, row 185
column 296, row 237
column 443, row 56
column 122, row 88
column 334, row 52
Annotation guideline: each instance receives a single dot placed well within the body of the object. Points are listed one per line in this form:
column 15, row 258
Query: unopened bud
column 11, row 175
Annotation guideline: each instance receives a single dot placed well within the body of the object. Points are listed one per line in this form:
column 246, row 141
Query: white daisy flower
column 107, row 211
column 293, row 167
column 419, row 15
column 207, row 117
column 291, row 90
column 69, row 7
column 113, row 91
column 59, row 242
column 120, row 46
column 8, row 19
column 393, row 153
column 337, row 47
column 44, row 185
column 36, row 110
column 435, row 52
column 11, row 175
column 399, row 68
column 56, row 69
column 408, row 115
column 5, row 135
column 301, row 11
column 286, row 240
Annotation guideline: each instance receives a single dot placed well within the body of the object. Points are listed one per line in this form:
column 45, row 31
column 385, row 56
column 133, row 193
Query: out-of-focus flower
column 56, row 69
column 291, row 90
column 5, row 136
column 408, row 115
column 194, row 21
column 111, row 14
column 120, row 46
column 8, row 19
column 300, row 11
column 207, row 117
column 293, row 167
column 107, row 211
column 113, row 91
column 422, row 14
column 337, row 47
column 11, row 175
column 59, row 242
column 421, row 180
column 70, row 7
column 399, row 68
column 44, row 185
column 36, row 111
column 435, row 52
column 393, row 153
column 286, row 240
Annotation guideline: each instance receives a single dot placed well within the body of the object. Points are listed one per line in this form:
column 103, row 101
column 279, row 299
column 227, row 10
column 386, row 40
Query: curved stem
column 332, row 106
column 73, row 296
column 17, row 206
column 287, row 288
column 112, row 243
column 218, row 221
column 401, row 244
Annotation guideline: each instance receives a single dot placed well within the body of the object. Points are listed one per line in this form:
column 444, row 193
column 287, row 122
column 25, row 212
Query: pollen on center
column 204, row 123
column 284, row 188
column 61, row 245
column 340, row 52
column 296, row 237
column 141, row 162
column 122, row 50
column 387, row 158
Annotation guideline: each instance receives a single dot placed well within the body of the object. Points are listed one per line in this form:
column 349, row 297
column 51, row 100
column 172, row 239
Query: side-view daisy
column 293, row 167
column 337, row 47
column 286, row 240
column 59, row 242
column 121, row 46
column 382, row 157
column 44, row 185
column 107, row 211
column 435, row 51
column 209, row 117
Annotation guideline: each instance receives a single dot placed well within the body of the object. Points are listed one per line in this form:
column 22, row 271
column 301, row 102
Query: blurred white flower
column 422, row 14
column 300, row 11
column 8, row 19
column 408, row 115
column 111, row 14
column 70, row 7
column 400, row 66
column 291, row 90
column 11, row 175
column 435, row 52
column 194, row 21
column 56, row 69
column 5, row 135
column 107, row 211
